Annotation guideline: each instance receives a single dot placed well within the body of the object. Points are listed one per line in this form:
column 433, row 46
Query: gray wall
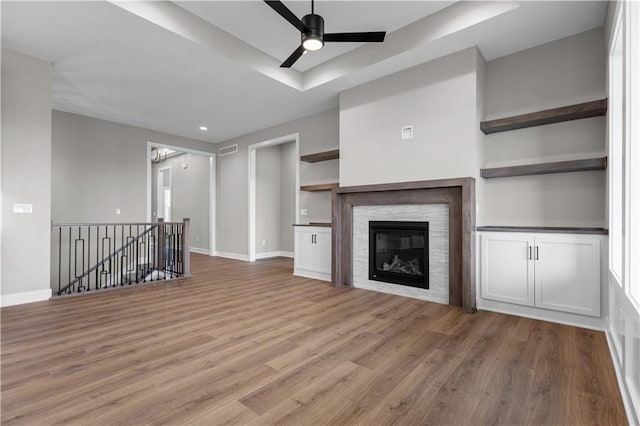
column 275, row 197
column 318, row 132
column 99, row 166
column 438, row 98
column 559, row 73
column 26, row 173
column 288, row 190
column 190, row 194
column 268, row 199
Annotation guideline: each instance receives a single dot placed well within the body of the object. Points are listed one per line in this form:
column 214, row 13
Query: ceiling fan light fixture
column 312, row 42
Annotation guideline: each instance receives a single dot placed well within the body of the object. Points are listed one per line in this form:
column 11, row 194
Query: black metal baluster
column 137, row 254
column 59, row 259
column 69, row 260
column 97, row 254
column 88, row 256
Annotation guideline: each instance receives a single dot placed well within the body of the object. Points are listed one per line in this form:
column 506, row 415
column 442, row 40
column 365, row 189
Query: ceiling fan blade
column 293, row 57
column 375, row 37
column 284, row 11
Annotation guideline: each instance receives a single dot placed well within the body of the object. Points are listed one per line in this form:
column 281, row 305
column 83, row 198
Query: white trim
column 565, row 318
column 311, row 274
column 212, row 187
column 622, row 385
column 270, row 254
column 199, row 250
column 295, row 137
column 25, row 297
column 235, row 256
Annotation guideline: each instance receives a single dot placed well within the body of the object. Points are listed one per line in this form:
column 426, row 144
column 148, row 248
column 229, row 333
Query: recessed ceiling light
column 203, row 128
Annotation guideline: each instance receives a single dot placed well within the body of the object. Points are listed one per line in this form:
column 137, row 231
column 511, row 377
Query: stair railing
column 120, row 254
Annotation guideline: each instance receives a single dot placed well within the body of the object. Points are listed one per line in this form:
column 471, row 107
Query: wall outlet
column 197, row 239
column 117, row 211
column 303, row 212
column 407, row 132
column 264, row 242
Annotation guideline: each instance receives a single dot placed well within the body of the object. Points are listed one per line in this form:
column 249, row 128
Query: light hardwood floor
column 251, row 344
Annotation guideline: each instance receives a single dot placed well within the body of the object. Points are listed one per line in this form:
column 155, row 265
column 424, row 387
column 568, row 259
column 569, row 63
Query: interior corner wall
column 438, row 98
column 559, row 73
column 26, row 176
column 268, row 199
column 288, row 190
column 100, row 165
column 189, row 193
column 317, row 132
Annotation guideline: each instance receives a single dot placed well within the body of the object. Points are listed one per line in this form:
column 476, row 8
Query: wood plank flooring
column 244, row 343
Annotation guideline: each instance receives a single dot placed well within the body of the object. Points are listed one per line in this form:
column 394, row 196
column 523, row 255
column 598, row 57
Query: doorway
column 254, row 202
column 182, row 184
column 163, row 208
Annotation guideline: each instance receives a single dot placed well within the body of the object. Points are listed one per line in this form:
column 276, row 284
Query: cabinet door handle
column 313, row 238
column 537, row 254
column 529, row 251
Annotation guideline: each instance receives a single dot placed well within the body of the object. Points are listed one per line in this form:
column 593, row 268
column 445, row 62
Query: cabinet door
column 507, row 270
column 303, row 249
column 323, row 252
column 567, row 276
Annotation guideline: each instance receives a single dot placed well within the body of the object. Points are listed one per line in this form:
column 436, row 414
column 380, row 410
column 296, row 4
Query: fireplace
column 399, row 253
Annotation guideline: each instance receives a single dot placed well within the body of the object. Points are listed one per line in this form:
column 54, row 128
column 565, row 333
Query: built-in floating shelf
column 539, row 118
column 546, row 168
column 544, row 229
column 319, row 187
column 321, row 156
column 321, row 224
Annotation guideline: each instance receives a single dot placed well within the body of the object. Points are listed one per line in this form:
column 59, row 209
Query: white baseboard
column 592, row 323
column 235, row 256
column 311, row 274
column 25, row 297
column 627, row 401
column 274, row 254
column 199, row 250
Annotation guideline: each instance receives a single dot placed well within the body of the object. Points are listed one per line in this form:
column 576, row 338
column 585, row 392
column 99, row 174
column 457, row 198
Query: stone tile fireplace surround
column 352, row 206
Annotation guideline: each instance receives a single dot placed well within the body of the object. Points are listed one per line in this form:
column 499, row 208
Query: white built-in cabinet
column 551, row 271
column 312, row 252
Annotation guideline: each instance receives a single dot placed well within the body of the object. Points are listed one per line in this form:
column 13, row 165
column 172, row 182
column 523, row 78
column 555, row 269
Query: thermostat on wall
column 407, row 132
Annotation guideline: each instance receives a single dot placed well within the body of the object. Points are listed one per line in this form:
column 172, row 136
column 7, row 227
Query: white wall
column 100, row 165
column 560, row 73
column 26, row 177
column 318, row 132
column 190, row 194
column 438, row 98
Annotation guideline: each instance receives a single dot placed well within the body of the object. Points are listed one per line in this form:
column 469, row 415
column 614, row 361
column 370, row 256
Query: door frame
column 160, row 169
column 294, row 137
column 212, row 186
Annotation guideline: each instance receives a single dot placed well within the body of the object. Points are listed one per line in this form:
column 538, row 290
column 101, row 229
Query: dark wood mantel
column 458, row 193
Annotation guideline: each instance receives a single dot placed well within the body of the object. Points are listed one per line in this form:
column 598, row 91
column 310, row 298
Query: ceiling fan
column 312, row 32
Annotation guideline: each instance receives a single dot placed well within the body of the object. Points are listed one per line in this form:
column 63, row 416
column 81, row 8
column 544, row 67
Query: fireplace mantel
column 458, row 193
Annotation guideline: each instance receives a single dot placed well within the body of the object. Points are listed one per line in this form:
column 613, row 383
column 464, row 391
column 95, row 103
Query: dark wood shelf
column 321, row 156
column 546, row 168
column 539, row 118
column 319, row 187
column 544, row 229
column 321, row 224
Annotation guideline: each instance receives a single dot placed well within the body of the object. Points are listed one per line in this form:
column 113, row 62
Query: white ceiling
column 172, row 69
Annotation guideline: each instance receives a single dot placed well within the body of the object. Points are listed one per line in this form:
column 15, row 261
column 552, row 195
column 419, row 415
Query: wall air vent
column 227, row 150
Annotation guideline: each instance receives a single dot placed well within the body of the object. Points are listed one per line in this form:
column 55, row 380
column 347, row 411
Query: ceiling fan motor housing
column 315, row 24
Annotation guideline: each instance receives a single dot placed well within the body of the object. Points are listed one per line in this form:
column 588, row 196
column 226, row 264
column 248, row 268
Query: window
column 616, row 155
column 633, row 148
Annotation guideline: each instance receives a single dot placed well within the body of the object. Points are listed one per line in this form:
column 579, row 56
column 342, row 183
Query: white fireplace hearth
column 438, row 217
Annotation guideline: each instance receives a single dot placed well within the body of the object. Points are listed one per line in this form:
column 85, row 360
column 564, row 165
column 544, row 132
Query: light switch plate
column 407, row 132
column 303, row 212
column 23, row 208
